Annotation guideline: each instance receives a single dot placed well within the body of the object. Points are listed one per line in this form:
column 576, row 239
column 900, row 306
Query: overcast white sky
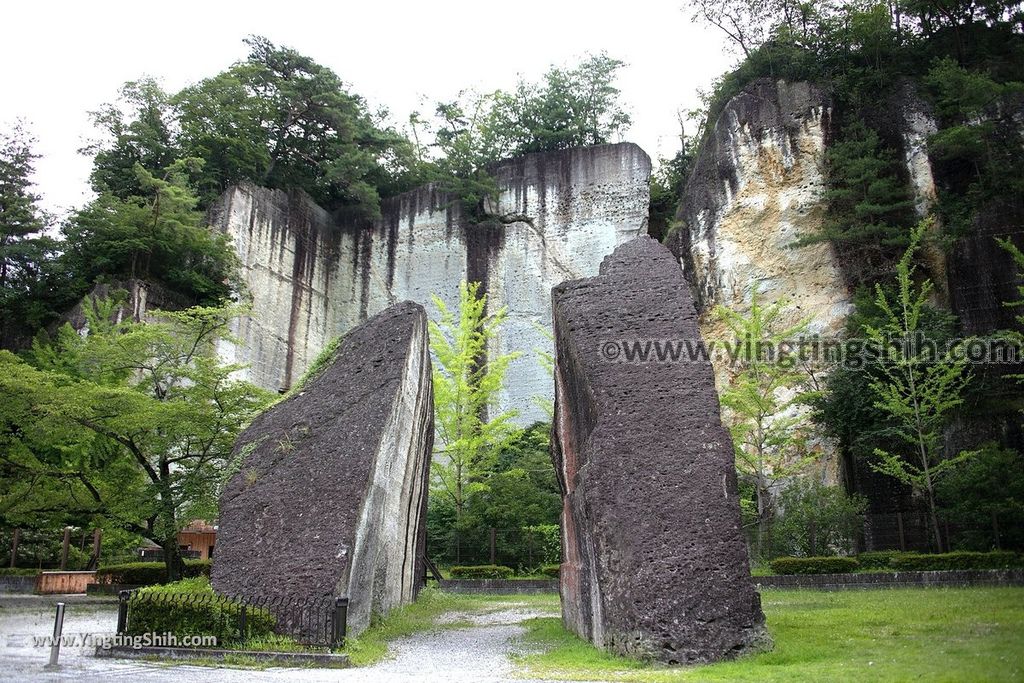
column 62, row 59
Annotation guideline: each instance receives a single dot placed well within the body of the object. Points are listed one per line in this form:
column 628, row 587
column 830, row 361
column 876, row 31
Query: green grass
column 372, row 644
column 970, row 634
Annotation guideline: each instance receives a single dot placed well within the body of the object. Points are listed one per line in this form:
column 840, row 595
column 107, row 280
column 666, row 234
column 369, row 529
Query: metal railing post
column 122, row 610
column 340, row 629
column 241, row 622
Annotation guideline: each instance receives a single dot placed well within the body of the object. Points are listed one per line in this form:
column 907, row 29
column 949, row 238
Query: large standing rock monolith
column 655, row 563
column 330, row 498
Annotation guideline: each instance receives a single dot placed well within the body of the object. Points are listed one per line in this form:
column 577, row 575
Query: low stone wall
column 499, row 586
column 935, row 579
column 48, row 583
column 17, row 584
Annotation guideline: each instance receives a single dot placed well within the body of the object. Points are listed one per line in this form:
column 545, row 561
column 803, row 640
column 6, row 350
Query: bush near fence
column 956, row 560
column 191, row 608
column 814, row 565
column 483, row 571
column 148, row 573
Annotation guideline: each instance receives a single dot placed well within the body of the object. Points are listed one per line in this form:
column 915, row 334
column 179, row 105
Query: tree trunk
column 173, row 560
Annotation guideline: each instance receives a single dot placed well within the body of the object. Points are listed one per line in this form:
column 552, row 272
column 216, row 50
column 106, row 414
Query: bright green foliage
column 466, row 384
column 918, row 386
column 25, row 252
column 814, row 565
column 136, row 421
column 191, row 608
column 817, row 519
column 869, row 205
column 157, row 236
column 907, row 562
column 769, row 433
column 1017, row 335
column 482, row 571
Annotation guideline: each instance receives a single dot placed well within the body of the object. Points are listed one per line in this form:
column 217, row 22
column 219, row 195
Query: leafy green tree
column 817, row 520
column 137, row 130
column 869, row 204
column 763, row 398
column 157, row 235
column 150, row 413
column 25, row 251
column 466, row 383
column 918, row 386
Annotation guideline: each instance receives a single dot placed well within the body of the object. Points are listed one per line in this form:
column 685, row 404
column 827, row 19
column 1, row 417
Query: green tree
column 25, row 251
column 817, row 520
column 984, row 498
column 763, row 398
column 150, row 410
column 869, row 204
column 918, row 386
column 466, row 384
column 157, row 236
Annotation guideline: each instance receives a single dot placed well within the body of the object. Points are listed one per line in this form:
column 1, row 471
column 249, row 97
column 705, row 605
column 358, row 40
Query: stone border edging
column 17, row 584
column 910, row 579
column 186, row 653
column 499, row 586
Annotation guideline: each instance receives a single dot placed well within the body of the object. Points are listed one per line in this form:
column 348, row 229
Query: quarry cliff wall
column 312, row 276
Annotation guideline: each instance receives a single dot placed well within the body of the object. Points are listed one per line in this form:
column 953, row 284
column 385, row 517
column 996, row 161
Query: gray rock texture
column 312, row 276
column 655, row 563
column 330, row 497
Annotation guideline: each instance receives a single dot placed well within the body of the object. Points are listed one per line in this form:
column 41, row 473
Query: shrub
column 878, row 559
column 814, row 565
column 817, row 519
column 18, row 571
column 551, row 570
column 482, row 571
column 147, row 573
column 191, row 608
column 957, row 560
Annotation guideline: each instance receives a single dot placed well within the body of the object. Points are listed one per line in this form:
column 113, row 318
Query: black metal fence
column 313, row 621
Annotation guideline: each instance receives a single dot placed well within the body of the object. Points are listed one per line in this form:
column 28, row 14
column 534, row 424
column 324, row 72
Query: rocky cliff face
column 312, row 276
column 758, row 184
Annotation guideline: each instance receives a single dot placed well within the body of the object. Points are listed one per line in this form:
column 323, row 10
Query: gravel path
column 452, row 653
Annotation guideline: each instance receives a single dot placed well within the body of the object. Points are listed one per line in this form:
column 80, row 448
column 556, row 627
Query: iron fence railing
column 310, row 620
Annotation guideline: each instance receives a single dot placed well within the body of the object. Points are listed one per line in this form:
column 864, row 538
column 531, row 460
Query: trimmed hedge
column 18, row 571
column 191, row 608
column 148, row 573
column 814, row 565
column 878, row 559
column 906, row 562
column 482, row 571
column 551, row 570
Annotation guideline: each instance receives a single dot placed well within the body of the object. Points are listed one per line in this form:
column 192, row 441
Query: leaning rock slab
column 330, row 497
column 655, row 563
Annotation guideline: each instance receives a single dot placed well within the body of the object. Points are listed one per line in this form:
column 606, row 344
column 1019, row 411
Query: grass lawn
column 952, row 634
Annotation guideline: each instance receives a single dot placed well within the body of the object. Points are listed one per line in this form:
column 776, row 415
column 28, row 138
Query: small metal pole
column 241, row 622
column 64, row 548
column 14, row 547
column 122, row 610
column 340, row 622
column 58, row 628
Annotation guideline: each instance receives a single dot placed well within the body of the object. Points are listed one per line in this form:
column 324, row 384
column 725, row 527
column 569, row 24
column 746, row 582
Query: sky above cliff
column 62, row 60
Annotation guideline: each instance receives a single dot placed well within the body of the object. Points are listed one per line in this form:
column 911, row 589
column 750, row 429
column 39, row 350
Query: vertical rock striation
column 655, row 563
column 330, row 496
column 312, row 276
